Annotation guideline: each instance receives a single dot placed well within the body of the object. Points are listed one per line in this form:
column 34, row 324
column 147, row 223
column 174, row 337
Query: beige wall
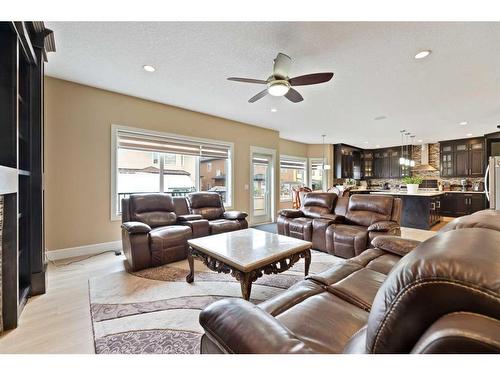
column 78, row 122
column 78, row 147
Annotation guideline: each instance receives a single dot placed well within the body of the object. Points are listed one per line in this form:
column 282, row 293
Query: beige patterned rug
column 156, row 311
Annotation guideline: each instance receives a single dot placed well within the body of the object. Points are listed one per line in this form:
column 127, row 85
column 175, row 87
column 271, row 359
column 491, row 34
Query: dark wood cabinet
column 23, row 48
column 463, row 158
column 367, row 164
column 460, row 204
column 348, row 161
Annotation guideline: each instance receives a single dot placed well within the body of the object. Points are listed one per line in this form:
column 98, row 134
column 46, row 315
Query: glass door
column 261, row 185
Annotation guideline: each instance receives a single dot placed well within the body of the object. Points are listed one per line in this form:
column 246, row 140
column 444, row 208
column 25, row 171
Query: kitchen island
column 420, row 210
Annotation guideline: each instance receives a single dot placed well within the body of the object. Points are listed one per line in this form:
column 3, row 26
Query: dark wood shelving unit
column 23, row 51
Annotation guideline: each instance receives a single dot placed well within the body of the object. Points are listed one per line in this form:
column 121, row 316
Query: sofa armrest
column 238, row 326
column 335, row 219
column 235, row 215
column 291, row 213
column 383, row 226
column 395, row 244
column 199, row 227
column 188, row 217
column 134, row 227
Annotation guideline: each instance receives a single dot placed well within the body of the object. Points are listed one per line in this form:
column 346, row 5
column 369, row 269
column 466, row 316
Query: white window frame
column 324, row 176
column 115, row 128
column 306, row 172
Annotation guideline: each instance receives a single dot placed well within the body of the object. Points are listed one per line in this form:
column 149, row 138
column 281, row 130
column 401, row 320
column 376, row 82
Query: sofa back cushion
column 207, row 204
column 367, row 209
column 316, row 204
column 451, row 272
column 181, row 206
column 153, row 209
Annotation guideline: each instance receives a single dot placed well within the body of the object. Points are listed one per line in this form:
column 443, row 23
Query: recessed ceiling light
column 380, row 118
column 366, row 142
column 463, row 123
column 469, row 134
column 274, row 110
column 423, row 54
column 420, row 140
column 377, row 145
column 149, row 68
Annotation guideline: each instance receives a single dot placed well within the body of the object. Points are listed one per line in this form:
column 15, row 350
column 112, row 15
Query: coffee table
column 248, row 254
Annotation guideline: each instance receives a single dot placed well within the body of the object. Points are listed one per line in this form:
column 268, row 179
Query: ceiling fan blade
column 310, row 79
column 260, row 95
column 294, row 96
column 246, row 80
column 282, row 65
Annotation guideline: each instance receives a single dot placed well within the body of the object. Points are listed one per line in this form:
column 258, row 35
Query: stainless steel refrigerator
column 492, row 182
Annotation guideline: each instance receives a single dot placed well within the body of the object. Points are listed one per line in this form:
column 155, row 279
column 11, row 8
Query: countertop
column 402, row 192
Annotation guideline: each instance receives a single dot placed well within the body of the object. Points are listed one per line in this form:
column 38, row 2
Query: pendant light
column 402, row 156
column 412, row 162
column 326, row 167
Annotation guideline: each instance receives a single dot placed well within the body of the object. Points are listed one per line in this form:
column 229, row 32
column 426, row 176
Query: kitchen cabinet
column 462, row 203
column 463, row 158
column 348, row 161
column 367, row 164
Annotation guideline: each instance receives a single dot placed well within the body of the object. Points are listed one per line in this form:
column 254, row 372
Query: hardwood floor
column 59, row 321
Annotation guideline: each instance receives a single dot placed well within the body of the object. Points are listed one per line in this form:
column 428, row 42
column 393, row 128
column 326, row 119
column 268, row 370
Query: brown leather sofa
column 210, row 207
column 341, row 226
column 443, row 296
column 156, row 227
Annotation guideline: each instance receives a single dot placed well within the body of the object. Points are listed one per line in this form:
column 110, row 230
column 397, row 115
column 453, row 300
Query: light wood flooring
column 59, row 321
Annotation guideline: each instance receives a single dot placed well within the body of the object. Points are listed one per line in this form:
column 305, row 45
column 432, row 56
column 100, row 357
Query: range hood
column 424, row 160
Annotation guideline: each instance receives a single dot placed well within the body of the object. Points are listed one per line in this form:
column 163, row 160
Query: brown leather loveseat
column 443, row 296
column 342, row 226
column 156, row 227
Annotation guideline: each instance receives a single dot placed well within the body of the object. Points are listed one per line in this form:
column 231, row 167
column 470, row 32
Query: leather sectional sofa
column 156, row 227
column 401, row 296
column 341, row 226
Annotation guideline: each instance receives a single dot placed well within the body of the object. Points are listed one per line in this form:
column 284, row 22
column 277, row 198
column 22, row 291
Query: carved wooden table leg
column 246, row 285
column 307, row 258
column 190, row 276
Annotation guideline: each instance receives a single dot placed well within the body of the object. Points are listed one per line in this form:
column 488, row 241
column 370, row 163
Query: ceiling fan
column 279, row 84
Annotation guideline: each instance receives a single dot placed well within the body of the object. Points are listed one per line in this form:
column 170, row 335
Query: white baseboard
column 72, row 252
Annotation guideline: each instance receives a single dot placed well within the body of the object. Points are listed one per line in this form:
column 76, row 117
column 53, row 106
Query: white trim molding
column 72, row 252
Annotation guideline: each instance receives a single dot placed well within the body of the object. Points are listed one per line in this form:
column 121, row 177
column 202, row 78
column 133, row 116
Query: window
column 146, row 162
column 318, row 176
column 292, row 174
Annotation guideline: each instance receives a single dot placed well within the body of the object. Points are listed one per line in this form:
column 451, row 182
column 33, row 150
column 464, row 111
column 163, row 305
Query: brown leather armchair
column 309, row 223
column 443, row 296
column 367, row 217
column 210, row 207
column 150, row 234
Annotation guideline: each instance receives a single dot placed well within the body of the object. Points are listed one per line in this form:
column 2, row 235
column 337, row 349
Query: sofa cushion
column 168, row 244
column 349, row 240
column 154, row 209
column 324, row 322
column 301, row 228
column 368, row 209
column 223, row 225
column 316, row 204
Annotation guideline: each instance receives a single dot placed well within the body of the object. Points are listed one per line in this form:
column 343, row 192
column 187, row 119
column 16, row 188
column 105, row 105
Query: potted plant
column 412, row 184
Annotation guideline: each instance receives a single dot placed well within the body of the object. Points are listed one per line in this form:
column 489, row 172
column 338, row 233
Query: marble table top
column 248, row 249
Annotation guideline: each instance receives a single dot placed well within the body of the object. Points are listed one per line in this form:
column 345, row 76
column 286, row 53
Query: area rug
column 156, row 310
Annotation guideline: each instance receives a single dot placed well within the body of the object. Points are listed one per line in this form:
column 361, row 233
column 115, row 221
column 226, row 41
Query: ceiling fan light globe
column 278, row 88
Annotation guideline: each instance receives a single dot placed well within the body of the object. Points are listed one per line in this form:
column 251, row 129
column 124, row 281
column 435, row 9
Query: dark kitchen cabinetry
column 367, row 164
column 460, row 204
column 463, row 158
column 386, row 164
column 348, row 161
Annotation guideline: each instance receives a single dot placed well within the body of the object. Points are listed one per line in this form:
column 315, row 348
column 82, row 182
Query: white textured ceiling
column 375, row 73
